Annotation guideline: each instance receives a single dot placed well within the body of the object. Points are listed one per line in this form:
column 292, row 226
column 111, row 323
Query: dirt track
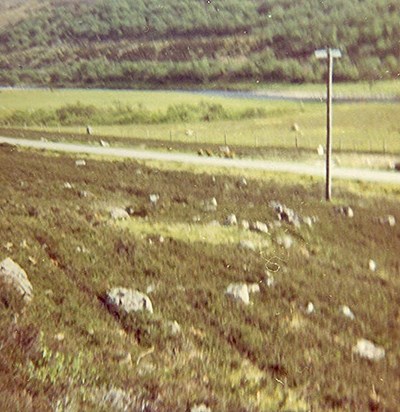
column 273, row 166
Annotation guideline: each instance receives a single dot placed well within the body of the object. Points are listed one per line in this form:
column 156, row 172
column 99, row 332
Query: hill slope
column 130, row 43
column 66, row 351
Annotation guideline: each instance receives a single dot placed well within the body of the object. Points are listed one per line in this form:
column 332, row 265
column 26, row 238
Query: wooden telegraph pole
column 328, row 54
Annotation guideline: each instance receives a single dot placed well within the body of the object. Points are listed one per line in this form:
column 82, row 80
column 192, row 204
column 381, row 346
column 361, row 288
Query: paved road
column 274, row 166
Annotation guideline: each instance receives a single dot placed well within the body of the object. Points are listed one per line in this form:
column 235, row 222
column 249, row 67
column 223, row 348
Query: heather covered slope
column 136, row 43
column 67, row 350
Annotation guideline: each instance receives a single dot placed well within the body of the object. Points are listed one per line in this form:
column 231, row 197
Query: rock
column 285, row 240
column 89, row 130
column 368, row 350
column 230, row 220
column 80, row 162
column 307, row 220
column 310, row 308
column 117, row 213
column 151, row 288
column 128, row 300
column 259, row 227
column 345, row 211
column 372, row 265
column 245, row 224
column 11, row 273
column 67, row 185
column 210, row 205
column 388, row 220
column 200, row 408
column 154, row 198
column 253, row 288
column 320, row 150
column 247, row 244
column 295, row 127
column 242, row 182
column 239, row 291
column 269, row 280
column 59, row 337
column 285, row 214
column 173, row 327
column 114, row 399
column 103, row 143
column 346, row 311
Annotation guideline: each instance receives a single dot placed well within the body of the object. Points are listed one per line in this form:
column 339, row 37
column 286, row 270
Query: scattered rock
column 345, row 211
column 310, row 308
column 8, row 246
column 103, row 143
column 285, row 214
column 11, row 273
column 154, row 198
column 239, row 291
column 173, row 327
column 247, row 244
column 295, row 127
column 259, row 227
column 67, row 185
column 59, row 336
column 372, row 265
column 196, row 219
column 114, row 399
column 320, row 150
column 151, row 288
column 388, row 220
column 346, row 311
column 80, row 162
column 368, row 350
column 128, row 300
column 230, row 220
column 130, row 210
column 269, row 280
column 200, row 408
column 253, row 288
column 242, row 182
column 245, row 224
column 84, row 193
column 117, row 213
column 210, row 205
column 285, row 240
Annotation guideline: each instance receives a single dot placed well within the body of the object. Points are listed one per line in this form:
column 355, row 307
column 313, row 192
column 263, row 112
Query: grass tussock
column 66, row 350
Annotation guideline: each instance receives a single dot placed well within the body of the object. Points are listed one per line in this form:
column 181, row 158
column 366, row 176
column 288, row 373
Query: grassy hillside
column 134, row 43
column 66, row 351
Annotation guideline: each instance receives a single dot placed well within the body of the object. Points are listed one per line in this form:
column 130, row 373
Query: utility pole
column 328, row 54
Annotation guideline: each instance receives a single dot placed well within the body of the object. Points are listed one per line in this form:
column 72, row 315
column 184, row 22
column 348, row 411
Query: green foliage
column 129, row 43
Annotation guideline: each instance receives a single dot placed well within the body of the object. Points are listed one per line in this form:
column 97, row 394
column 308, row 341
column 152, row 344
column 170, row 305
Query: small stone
column 310, row 308
column 388, row 220
column 8, row 246
column 242, row 182
column 67, row 185
column 286, row 241
column 269, row 280
column 103, row 143
column 245, row 224
column 117, row 213
column 247, row 244
column 346, row 311
column 59, row 336
column 368, row 350
column 128, row 300
column 372, row 265
column 173, row 327
column 239, row 291
column 253, row 288
column 307, row 220
column 230, row 220
column 259, row 227
column 23, row 244
column 320, row 150
column 200, row 408
column 154, row 198
column 80, row 162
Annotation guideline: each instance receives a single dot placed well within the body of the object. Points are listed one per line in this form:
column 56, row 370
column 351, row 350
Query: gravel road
column 273, row 166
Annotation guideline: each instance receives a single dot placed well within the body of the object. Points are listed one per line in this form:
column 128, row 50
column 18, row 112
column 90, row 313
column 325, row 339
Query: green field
column 358, row 127
column 66, row 351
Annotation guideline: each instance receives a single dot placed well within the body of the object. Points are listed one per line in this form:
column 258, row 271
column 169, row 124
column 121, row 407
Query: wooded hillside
column 131, row 43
